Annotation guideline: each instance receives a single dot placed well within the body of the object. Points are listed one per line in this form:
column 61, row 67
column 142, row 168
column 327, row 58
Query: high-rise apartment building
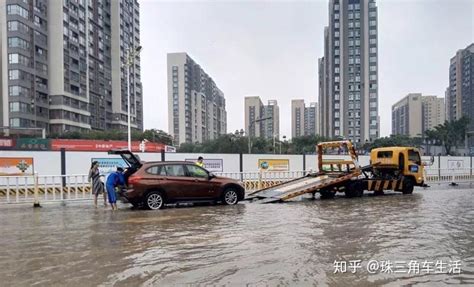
column 63, row 68
column 434, row 113
column 311, row 119
column 460, row 93
column 415, row 114
column 304, row 120
column 196, row 106
column 348, row 72
column 271, row 127
column 253, row 112
column 262, row 120
column 297, row 118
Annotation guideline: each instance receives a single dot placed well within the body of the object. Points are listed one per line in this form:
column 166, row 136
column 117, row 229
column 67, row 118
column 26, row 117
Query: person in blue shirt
column 114, row 180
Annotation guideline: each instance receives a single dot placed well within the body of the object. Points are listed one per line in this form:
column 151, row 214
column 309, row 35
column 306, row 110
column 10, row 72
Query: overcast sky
column 270, row 49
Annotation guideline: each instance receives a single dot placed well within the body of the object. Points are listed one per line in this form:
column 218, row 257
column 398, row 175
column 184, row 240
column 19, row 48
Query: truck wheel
column 327, row 193
column 354, row 189
column 408, row 186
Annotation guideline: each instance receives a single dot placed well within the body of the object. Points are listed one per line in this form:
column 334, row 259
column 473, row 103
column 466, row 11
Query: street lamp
column 252, row 123
column 132, row 52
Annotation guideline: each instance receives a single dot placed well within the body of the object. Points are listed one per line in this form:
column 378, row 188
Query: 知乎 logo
column 22, row 165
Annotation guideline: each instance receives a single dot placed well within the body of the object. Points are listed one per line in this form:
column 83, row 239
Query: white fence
column 50, row 188
column 35, row 188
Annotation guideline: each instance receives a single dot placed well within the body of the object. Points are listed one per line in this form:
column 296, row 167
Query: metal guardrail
column 53, row 188
column 35, row 188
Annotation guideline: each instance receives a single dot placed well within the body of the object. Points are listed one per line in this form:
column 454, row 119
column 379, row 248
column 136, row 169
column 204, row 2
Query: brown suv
column 154, row 184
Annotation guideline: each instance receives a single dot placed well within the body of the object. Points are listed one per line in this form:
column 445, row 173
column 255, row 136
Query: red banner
column 7, row 143
column 100, row 145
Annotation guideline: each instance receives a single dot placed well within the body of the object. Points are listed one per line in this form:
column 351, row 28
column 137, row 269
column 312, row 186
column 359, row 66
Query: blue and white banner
column 109, row 165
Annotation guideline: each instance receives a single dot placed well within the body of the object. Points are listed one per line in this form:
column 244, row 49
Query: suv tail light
column 133, row 180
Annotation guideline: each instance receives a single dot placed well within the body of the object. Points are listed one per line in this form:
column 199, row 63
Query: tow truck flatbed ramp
column 297, row 187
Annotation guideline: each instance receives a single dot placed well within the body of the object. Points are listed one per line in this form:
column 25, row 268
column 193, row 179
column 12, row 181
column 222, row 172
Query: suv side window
column 196, row 171
column 175, row 170
column 156, row 170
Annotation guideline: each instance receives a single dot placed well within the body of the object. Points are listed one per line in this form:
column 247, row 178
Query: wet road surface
column 293, row 244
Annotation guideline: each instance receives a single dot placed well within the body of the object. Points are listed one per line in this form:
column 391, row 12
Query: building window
column 373, row 77
column 373, row 104
column 13, row 58
column 373, row 41
column 17, row 10
column 15, row 42
column 13, row 74
column 15, row 122
column 16, row 91
column 373, row 68
column 14, row 107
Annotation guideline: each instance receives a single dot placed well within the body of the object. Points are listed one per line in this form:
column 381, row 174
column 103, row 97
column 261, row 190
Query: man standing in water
column 114, row 180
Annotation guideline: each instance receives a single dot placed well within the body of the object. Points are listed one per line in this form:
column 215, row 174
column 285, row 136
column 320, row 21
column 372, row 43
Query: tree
column 449, row 134
column 152, row 135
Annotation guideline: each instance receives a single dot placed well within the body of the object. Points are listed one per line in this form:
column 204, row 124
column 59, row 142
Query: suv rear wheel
column 230, row 196
column 154, row 200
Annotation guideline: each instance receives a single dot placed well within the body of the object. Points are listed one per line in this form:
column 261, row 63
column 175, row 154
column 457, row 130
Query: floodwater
column 296, row 244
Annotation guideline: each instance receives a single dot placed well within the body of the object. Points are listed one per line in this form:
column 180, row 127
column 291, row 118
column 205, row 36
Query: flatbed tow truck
column 390, row 168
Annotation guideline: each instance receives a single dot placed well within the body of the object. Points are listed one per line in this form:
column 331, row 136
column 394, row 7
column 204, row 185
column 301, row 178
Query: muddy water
column 296, row 243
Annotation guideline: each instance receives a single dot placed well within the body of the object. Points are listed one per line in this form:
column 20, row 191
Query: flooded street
column 275, row 244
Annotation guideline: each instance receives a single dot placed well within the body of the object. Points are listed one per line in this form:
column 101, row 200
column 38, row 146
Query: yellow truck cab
column 398, row 162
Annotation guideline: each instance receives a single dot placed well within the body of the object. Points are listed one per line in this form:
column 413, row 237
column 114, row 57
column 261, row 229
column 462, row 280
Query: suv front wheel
column 154, row 200
column 230, row 196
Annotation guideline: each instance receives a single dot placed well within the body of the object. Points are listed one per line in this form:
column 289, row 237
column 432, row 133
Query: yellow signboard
column 16, row 166
column 274, row 164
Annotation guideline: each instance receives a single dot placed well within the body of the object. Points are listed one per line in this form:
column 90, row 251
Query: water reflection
column 275, row 244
